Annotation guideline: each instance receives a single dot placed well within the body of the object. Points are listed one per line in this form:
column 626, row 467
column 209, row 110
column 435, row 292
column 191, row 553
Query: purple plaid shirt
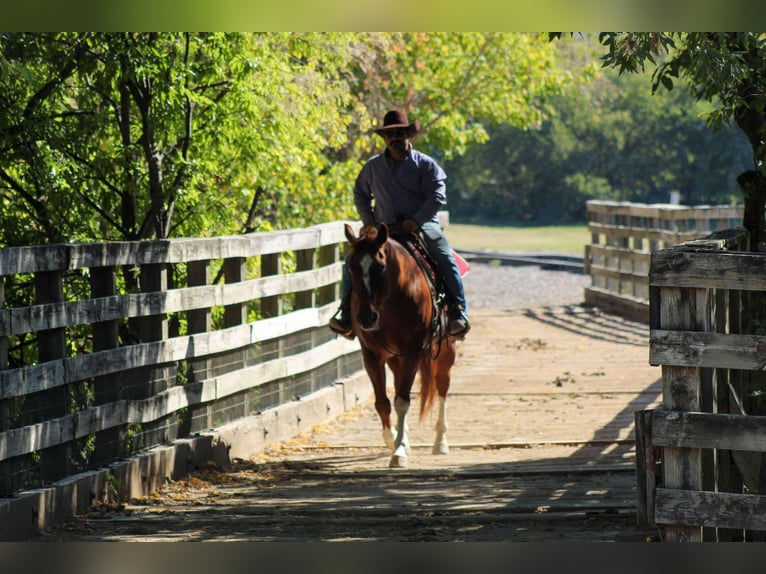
column 387, row 191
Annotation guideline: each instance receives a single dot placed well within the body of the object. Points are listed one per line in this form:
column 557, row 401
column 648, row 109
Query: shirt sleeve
column 363, row 197
column 434, row 191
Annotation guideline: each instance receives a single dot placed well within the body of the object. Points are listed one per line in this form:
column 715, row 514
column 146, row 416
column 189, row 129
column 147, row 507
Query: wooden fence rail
column 701, row 464
column 110, row 348
column 623, row 236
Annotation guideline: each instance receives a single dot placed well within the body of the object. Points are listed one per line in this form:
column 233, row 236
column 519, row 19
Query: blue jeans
column 441, row 253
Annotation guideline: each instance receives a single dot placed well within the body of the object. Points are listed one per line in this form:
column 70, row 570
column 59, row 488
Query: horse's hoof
column 398, row 461
column 440, row 449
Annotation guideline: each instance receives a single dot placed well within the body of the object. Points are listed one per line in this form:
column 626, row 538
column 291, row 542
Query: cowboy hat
column 397, row 119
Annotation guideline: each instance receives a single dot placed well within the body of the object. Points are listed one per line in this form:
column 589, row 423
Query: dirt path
column 541, row 431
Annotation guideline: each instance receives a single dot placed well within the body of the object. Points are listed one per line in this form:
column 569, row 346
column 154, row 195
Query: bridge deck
column 541, row 429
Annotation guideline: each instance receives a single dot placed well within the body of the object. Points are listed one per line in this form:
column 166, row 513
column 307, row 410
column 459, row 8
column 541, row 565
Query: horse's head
column 367, row 265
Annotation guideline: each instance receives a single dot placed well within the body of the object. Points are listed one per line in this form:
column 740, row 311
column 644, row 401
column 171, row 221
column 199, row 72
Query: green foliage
column 726, row 69
column 609, row 138
column 111, row 136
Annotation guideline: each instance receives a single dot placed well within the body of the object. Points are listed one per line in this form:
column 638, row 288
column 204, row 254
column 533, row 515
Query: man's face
column 397, row 141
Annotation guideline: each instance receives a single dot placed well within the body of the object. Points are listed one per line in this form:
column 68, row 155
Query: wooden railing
column 701, row 457
column 623, row 236
column 110, row 348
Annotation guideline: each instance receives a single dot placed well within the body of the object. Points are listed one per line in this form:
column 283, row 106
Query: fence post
column 682, row 309
column 154, row 279
column 198, row 320
column 328, row 254
column 305, row 261
column 234, row 272
column 103, row 283
column 51, row 345
column 271, row 264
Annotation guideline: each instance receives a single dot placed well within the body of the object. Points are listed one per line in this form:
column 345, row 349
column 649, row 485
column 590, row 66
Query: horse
column 396, row 319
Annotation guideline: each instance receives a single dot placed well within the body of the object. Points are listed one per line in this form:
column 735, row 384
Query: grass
column 570, row 239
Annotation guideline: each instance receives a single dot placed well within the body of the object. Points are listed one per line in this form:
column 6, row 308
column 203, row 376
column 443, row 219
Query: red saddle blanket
column 462, row 264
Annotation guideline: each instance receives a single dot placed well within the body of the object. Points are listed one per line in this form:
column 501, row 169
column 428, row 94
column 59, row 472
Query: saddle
column 415, row 245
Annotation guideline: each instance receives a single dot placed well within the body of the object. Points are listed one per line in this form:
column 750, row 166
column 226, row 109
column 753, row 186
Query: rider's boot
column 458, row 322
column 341, row 321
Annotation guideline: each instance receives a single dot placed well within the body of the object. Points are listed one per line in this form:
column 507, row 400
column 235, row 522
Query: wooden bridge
column 541, row 428
column 128, row 366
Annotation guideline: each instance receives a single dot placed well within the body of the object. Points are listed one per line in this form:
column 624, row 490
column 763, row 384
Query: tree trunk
column 753, row 186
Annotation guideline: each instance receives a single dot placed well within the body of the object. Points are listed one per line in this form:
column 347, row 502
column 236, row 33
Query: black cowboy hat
column 397, row 119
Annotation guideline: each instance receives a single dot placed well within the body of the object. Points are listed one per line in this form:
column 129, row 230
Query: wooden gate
column 623, row 236
column 701, row 470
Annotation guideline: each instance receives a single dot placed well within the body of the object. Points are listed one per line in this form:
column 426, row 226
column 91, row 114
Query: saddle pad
column 462, row 264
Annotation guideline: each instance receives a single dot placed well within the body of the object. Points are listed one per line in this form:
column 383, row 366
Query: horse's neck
column 403, row 264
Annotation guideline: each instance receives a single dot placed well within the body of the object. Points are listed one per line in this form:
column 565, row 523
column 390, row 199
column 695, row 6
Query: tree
column 151, row 135
column 608, row 137
column 456, row 84
column 134, row 136
column 726, row 69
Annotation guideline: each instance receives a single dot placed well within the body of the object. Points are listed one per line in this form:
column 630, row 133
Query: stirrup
column 458, row 330
column 339, row 328
column 458, row 323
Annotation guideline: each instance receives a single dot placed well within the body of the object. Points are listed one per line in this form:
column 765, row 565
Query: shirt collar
column 408, row 155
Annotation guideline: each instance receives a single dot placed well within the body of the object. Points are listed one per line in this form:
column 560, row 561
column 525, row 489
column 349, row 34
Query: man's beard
column 399, row 146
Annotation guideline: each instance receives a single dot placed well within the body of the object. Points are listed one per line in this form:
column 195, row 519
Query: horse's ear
column 350, row 233
column 382, row 234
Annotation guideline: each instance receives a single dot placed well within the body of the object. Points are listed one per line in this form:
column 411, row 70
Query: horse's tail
column 427, row 384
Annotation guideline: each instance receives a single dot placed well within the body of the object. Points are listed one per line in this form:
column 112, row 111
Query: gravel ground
column 522, row 286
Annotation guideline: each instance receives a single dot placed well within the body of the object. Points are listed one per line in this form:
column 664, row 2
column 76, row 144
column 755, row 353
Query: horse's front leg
column 404, row 374
column 376, row 370
column 402, row 443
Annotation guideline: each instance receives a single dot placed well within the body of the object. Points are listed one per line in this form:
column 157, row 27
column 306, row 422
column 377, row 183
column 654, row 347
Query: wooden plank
column 680, row 391
column 305, row 261
column 640, row 255
column 709, row 430
column 56, row 315
column 697, row 349
column 271, row 306
column 624, row 305
column 34, row 259
column 58, row 431
column 665, row 210
column 199, row 320
column 681, row 267
column 646, row 468
column 330, row 258
column 237, row 381
column 719, row 509
column 234, row 271
column 601, row 271
column 35, row 378
column 61, row 430
column 652, row 234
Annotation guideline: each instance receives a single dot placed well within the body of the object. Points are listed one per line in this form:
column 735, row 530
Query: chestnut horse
column 392, row 314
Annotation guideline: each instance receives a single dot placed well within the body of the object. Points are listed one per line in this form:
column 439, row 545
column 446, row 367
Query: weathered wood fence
column 623, row 236
column 702, row 470
column 110, row 348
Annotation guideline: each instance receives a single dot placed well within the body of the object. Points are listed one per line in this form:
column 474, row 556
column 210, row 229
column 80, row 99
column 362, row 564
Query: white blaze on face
column 366, row 265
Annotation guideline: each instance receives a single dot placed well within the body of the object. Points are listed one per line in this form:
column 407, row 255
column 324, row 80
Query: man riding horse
column 405, row 188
